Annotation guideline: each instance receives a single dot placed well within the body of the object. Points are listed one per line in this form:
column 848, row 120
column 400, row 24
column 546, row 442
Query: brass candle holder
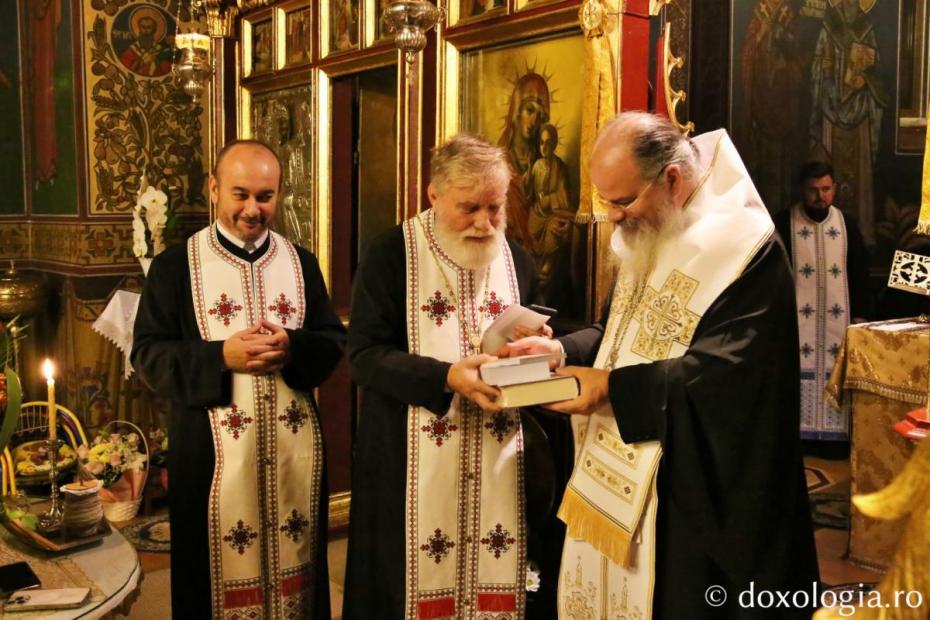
column 50, row 520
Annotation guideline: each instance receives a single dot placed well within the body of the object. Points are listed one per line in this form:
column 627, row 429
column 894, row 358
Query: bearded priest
column 438, row 524
column 688, row 498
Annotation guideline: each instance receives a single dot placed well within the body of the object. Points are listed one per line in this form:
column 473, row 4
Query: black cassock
column 391, row 378
column 173, row 360
column 733, row 505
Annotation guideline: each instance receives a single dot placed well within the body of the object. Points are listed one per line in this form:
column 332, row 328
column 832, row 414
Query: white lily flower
column 139, row 250
column 150, row 213
column 155, row 219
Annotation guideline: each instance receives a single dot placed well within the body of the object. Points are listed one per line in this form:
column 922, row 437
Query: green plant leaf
column 14, row 399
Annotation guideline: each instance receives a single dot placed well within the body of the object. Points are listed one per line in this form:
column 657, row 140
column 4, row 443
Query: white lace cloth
column 116, row 322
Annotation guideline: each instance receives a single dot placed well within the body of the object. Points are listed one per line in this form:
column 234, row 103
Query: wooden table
column 111, row 567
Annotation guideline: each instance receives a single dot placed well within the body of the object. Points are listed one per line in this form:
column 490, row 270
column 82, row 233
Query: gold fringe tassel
column 923, row 228
column 584, row 522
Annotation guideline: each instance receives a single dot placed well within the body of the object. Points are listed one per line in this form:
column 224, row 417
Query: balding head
column 251, row 146
column 650, row 140
column 247, row 197
column 644, row 169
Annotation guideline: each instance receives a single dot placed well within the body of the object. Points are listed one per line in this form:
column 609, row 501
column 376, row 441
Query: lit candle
column 49, row 371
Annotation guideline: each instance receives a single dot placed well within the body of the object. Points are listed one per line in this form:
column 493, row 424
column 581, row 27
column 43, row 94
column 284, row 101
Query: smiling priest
column 236, row 328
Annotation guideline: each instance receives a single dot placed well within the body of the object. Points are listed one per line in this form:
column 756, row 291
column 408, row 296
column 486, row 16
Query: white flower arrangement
column 149, row 215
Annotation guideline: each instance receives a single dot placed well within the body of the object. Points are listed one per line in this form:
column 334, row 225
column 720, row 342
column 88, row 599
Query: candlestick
column 50, row 521
column 49, row 371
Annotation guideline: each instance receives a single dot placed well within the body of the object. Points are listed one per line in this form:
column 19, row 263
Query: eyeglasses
column 618, row 205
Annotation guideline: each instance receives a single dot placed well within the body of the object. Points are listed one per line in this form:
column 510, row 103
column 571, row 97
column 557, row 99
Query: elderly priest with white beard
column 688, row 487
column 438, row 524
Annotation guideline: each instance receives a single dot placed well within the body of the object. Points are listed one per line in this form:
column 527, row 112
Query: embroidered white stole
column 264, row 500
column 610, row 504
column 466, row 535
column 821, row 286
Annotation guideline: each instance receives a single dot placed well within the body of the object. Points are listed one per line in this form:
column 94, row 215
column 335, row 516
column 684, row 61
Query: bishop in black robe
column 173, row 360
column 733, row 505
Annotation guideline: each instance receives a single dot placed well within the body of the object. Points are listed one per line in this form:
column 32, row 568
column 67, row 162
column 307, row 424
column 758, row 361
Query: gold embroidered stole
column 264, row 498
column 610, row 504
column 466, row 535
column 819, row 254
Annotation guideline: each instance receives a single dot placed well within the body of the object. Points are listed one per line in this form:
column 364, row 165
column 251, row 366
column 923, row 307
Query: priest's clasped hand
column 463, row 379
column 593, row 385
column 261, row 349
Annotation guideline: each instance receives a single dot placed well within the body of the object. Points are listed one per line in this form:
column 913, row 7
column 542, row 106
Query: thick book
column 521, row 369
column 552, row 390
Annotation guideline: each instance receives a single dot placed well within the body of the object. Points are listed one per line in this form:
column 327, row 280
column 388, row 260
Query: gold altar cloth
column 882, row 368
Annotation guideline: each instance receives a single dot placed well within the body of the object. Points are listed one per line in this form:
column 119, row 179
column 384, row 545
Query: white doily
column 116, row 322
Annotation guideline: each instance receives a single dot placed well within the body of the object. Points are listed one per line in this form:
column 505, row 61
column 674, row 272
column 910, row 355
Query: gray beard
column 636, row 250
column 467, row 254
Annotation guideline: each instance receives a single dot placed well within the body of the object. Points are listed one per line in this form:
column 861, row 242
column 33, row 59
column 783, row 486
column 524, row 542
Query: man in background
column 831, row 276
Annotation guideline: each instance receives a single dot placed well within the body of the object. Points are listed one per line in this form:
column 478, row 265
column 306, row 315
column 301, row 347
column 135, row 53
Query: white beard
column 469, row 254
column 636, row 248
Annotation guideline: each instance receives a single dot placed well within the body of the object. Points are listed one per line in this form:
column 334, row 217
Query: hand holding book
column 593, row 390
column 463, row 379
column 525, row 380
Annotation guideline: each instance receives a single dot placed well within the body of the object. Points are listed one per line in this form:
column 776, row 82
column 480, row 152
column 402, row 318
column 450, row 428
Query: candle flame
column 48, row 369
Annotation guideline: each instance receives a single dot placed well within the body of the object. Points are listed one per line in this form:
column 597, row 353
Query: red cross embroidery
column 240, row 537
column 493, row 306
column 282, row 308
column 438, row 308
column 235, row 421
column 225, row 309
column 500, row 425
column 294, row 417
column 498, row 540
column 294, row 525
column 437, row 546
column 439, row 429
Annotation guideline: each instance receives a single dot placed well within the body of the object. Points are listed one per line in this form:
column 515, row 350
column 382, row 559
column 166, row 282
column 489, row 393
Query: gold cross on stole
column 664, row 317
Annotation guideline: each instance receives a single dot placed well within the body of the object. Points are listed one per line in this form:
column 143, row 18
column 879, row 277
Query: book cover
column 521, row 369
column 555, row 389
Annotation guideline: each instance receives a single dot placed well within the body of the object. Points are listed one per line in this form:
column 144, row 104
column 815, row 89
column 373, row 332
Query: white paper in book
column 500, row 331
